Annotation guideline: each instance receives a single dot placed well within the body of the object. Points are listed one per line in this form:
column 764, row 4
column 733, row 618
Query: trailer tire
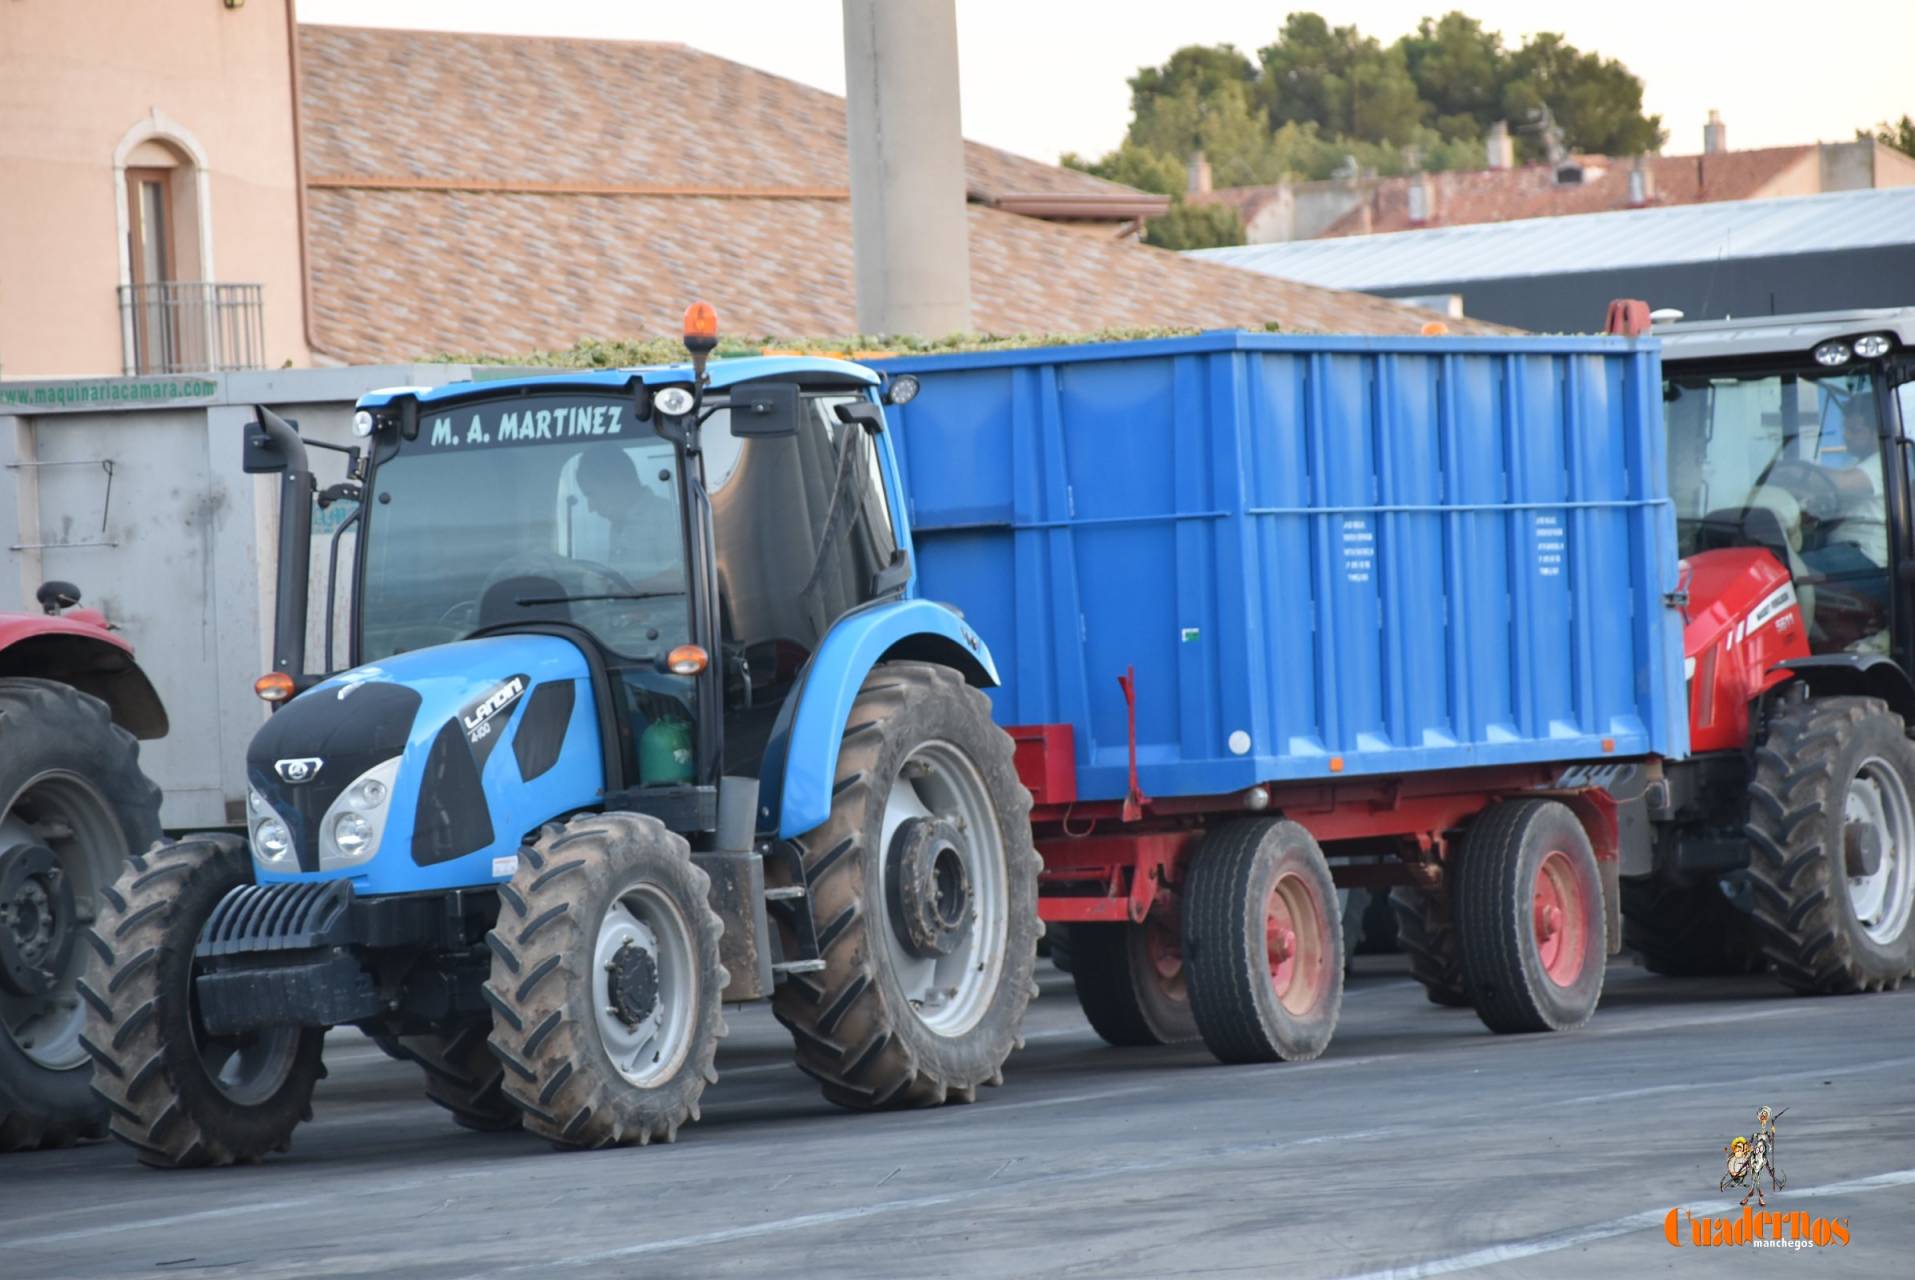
column 165, row 1081
column 1530, row 921
column 1263, row 941
column 62, row 760
column 1687, row 931
column 919, row 747
column 462, row 1074
column 1131, row 982
column 1428, row 938
column 1819, row 764
column 606, row 947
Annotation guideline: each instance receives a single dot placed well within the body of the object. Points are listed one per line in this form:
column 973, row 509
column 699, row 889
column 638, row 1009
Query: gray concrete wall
column 176, row 545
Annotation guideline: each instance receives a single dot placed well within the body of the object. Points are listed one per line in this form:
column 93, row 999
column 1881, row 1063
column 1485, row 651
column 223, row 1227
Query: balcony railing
column 191, row 326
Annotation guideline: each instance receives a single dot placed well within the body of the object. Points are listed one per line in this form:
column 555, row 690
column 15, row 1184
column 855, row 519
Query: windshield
column 526, row 509
column 1791, row 462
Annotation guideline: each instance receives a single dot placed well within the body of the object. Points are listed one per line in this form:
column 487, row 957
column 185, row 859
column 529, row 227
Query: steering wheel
column 1810, row 485
column 561, row 569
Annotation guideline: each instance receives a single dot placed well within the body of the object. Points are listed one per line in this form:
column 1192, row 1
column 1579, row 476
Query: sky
column 1042, row 77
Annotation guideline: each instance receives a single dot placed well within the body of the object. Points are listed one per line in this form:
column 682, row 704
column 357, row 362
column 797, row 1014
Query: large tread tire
column 1687, row 931
column 1120, row 990
column 141, row 1025
column 1494, row 901
column 545, row 1011
column 1427, row 937
column 853, row 1029
column 1228, row 894
column 1797, row 804
column 463, row 1075
column 47, row 725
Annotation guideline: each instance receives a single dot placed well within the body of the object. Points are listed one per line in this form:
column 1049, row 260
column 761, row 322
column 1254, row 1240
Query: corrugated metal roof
column 1589, row 241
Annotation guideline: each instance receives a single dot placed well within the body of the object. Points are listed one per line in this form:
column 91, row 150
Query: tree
column 1595, row 99
column 1341, row 80
column 1899, row 134
column 1195, row 226
column 1458, row 69
column 1135, row 166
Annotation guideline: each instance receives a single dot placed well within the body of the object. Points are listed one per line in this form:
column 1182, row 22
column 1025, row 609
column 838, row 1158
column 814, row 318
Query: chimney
column 1715, row 134
column 1642, row 183
column 1422, row 200
column 1198, row 182
column 1502, row 151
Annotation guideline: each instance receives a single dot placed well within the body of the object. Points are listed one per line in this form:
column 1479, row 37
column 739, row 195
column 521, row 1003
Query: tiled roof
column 401, row 274
column 476, row 108
column 502, row 194
column 1464, row 198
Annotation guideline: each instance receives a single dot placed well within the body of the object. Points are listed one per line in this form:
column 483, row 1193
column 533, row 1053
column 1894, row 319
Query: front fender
column 801, row 759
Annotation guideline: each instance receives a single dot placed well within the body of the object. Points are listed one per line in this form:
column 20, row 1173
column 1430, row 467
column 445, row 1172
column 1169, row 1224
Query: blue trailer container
column 1376, row 585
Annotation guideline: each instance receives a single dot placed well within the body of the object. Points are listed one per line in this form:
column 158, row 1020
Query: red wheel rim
column 1559, row 918
column 1295, row 942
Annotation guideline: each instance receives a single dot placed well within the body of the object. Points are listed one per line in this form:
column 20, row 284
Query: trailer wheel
column 1429, row 940
column 1687, row 931
column 73, row 806
column 180, row 1096
column 463, row 1075
column 1832, row 830
column 923, row 887
column 606, row 983
column 1529, row 918
column 1264, row 943
column 1131, row 981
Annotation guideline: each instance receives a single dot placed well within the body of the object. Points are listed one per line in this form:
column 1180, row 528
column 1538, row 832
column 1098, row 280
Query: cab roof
column 720, row 374
column 1784, row 334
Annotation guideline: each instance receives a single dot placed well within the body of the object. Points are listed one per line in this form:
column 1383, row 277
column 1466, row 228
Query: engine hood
column 491, row 737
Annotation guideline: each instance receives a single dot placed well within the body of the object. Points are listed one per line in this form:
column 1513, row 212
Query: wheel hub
column 632, row 978
column 37, row 912
column 1862, row 846
column 1556, row 907
column 930, row 888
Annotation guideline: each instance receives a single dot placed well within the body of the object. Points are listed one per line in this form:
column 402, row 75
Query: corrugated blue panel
column 1413, row 554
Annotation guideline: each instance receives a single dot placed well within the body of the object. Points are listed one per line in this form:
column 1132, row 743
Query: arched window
column 169, row 312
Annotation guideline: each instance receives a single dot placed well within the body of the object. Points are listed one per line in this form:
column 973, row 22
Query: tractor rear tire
column 73, row 807
column 1687, row 931
column 1530, row 922
column 1131, row 982
column 1428, row 938
column 606, row 983
column 1263, row 941
column 1833, row 794
column 922, row 884
column 181, row 1098
column 463, row 1075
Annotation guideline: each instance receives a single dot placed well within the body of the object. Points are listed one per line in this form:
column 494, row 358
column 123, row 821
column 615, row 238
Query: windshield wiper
column 527, row 602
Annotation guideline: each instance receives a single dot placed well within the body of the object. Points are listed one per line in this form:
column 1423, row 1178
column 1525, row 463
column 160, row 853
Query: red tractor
column 1786, row 839
column 73, row 806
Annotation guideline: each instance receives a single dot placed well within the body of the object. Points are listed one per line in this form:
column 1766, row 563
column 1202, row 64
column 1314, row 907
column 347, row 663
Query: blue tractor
column 643, row 715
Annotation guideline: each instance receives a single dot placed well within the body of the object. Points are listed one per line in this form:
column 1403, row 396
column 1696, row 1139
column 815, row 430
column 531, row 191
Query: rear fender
column 92, row 660
column 1864, row 675
column 801, row 759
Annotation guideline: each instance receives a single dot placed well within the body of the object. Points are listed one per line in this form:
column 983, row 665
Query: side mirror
column 55, row 596
column 862, row 412
column 765, row 409
column 262, row 453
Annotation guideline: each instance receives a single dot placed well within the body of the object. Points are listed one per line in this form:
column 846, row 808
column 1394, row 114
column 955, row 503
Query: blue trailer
column 1259, row 599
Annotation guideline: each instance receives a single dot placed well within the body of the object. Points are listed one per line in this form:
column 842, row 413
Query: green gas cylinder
column 665, row 752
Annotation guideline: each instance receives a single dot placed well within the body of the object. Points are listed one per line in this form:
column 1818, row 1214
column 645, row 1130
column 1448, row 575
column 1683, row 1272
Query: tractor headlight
column 1832, row 353
column 349, row 833
column 1873, row 345
column 272, row 838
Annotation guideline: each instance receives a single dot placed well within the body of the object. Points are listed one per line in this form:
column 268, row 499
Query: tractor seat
column 500, row 604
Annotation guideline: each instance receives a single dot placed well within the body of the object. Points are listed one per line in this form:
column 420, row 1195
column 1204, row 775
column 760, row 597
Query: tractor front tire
column 73, row 807
column 1530, row 923
column 1263, row 940
column 606, row 983
column 922, row 884
column 1131, row 982
column 1687, row 931
column 1832, row 835
column 462, row 1074
column 180, row 1097
column 1427, row 937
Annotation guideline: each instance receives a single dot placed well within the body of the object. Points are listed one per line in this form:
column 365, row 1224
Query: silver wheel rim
column 1882, row 900
column 950, row 993
column 248, row 1068
column 650, row 1052
column 64, row 812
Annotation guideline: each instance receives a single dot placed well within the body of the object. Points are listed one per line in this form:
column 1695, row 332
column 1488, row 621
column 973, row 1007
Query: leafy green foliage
column 1320, row 96
column 1195, row 226
column 1899, row 134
